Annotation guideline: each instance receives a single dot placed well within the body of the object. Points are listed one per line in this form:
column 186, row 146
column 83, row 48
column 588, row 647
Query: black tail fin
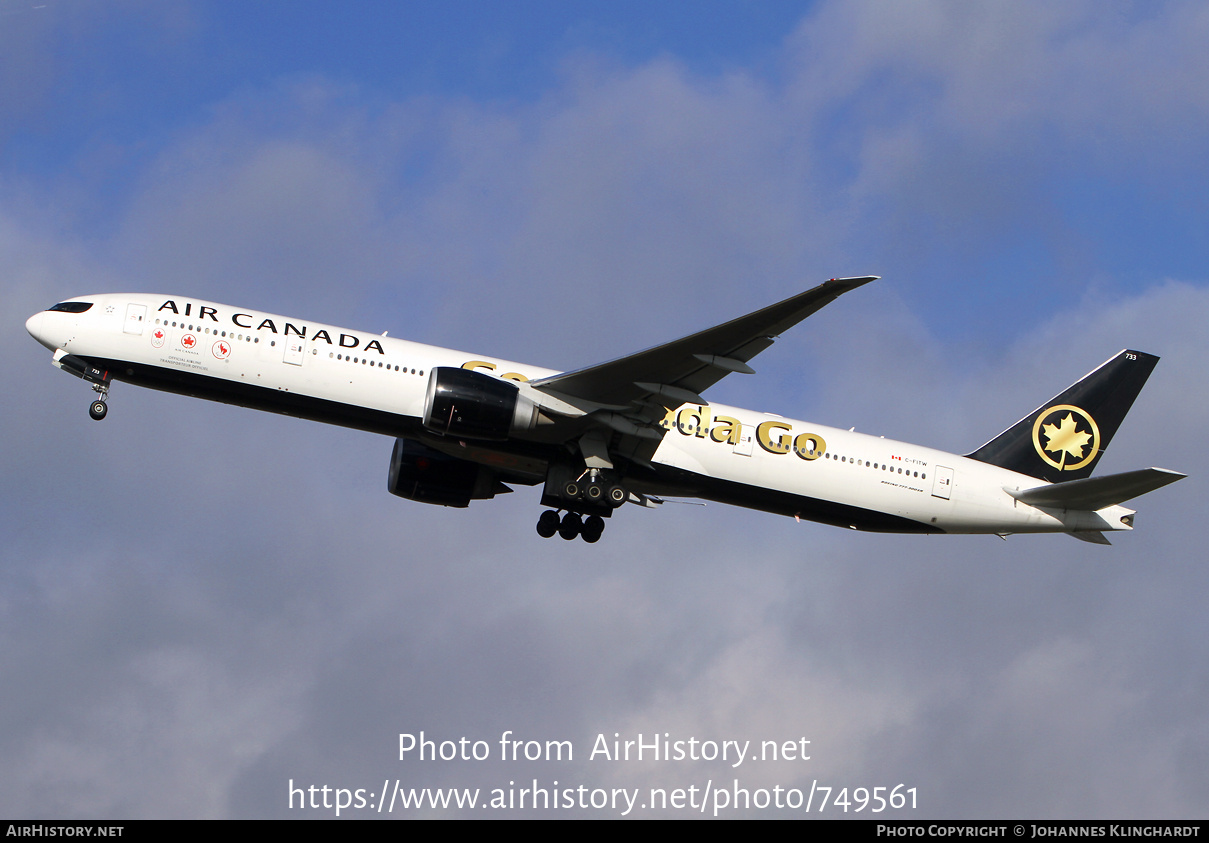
column 1064, row 438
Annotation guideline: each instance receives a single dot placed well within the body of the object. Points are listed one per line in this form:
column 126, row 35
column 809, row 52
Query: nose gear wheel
column 98, row 408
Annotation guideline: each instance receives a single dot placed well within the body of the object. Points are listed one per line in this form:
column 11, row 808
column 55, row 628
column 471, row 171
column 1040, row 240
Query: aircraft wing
column 678, row 372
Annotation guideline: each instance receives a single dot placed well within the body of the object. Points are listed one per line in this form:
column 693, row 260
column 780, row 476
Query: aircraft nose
column 34, row 325
column 39, row 330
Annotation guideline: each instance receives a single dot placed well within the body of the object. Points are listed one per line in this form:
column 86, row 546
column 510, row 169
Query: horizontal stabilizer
column 1093, row 536
column 1094, row 493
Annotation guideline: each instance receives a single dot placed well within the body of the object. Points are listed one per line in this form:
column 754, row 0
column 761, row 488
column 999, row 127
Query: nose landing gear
column 86, row 370
column 98, row 408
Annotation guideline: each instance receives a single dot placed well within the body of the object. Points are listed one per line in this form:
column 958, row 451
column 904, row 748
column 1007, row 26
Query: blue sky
column 200, row 603
column 157, row 67
column 1031, row 182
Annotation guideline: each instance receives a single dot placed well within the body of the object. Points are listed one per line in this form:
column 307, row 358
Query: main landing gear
column 570, row 525
column 595, row 492
column 585, row 496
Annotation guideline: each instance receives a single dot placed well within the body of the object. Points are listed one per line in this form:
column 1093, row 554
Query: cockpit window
column 70, row 307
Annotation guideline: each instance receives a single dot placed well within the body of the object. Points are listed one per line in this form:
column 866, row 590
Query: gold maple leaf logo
column 1065, row 437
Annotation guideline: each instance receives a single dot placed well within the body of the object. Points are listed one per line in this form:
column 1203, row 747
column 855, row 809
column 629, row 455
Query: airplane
column 633, row 430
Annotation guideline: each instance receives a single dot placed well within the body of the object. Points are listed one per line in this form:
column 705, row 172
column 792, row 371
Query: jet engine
column 422, row 474
column 472, row 405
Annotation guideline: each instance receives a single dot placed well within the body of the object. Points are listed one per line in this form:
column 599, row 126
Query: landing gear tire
column 547, row 524
column 571, row 491
column 97, row 410
column 593, row 493
column 592, row 528
column 617, row 496
column 570, row 526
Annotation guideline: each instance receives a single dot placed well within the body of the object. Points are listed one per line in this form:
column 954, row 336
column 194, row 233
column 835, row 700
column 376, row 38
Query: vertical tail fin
column 1064, row 438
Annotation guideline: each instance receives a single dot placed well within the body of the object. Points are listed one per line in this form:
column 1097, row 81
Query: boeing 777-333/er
column 633, row 430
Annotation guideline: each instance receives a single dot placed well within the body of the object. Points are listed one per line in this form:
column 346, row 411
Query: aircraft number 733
column 633, row 430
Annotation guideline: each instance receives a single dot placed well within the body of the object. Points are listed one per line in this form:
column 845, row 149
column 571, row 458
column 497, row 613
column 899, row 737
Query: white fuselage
column 379, row 383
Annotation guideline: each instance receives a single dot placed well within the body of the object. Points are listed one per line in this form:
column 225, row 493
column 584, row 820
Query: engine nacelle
column 422, row 474
column 471, row 405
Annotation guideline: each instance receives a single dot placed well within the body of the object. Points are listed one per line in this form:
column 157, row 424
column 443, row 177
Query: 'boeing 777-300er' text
column 633, row 430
